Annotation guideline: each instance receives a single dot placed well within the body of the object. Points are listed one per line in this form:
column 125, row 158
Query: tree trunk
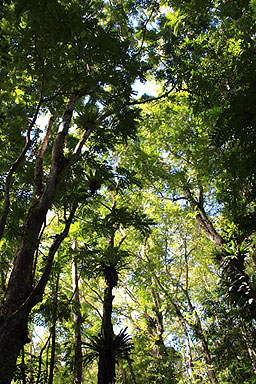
column 131, row 370
column 124, row 375
column 205, row 348
column 106, row 369
column 188, row 365
column 106, row 365
column 78, row 365
column 53, row 331
column 159, row 328
column 40, row 361
column 14, row 312
column 249, row 345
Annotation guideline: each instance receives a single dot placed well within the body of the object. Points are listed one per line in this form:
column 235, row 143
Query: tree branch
column 38, row 175
column 37, row 292
column 15, row 165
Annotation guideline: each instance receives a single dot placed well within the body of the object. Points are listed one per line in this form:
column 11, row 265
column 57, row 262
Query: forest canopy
column 127, row 220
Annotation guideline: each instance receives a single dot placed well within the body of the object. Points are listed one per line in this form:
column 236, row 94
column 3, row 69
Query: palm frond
column 120, row 346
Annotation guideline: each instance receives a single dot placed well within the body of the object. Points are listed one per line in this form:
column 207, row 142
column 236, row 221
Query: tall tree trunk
column 53, row 331
column 106, row 365
column 16, row 307
column 78, row 365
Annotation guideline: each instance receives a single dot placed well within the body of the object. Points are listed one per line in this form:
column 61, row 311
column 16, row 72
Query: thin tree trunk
column 197, row 330
column 159, row 328
column 249, row 345
column 53, row 331
column 205, row 348
column 106, row 365
column 40, row 361
column 131, row 370
column 189, row 366
column 124, row 375
column 78, row 365
column 203, row 221
column 107, row 361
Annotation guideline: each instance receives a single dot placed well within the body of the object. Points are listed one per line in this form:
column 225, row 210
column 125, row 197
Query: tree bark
column 14, row 314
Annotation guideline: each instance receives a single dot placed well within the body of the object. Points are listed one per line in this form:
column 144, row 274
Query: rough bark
column 78, row 364
column 14, row 314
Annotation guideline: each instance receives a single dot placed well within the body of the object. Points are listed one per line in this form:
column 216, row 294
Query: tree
column 192, row 147
column 219, row 93
column 108, row 259
column 48, row 64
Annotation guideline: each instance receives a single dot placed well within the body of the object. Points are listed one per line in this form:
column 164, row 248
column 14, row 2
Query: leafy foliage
column 154, row 179
column 121, row 346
